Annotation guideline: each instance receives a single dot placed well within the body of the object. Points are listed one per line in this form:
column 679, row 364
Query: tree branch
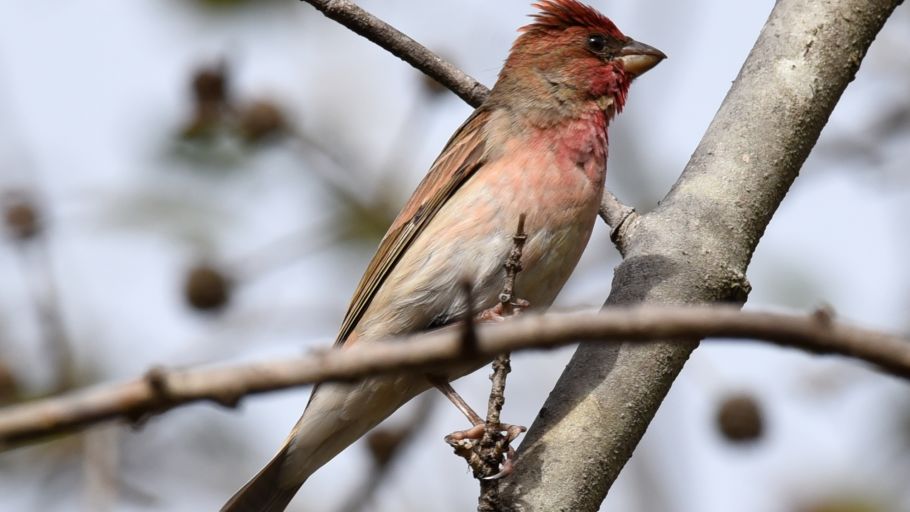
column 161, row 390
column 365, row 24
column 494, row 442
column 618, row 216
column 696, row 246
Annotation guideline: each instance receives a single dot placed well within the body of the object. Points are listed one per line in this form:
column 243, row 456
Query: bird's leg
column 487, row 440
column 446, row 389
column 465, row 440
column 468, row 443
column 497, row 313
column 478, row 423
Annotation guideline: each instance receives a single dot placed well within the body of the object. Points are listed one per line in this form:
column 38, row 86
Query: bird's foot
column 467, row 443
column 500, row 312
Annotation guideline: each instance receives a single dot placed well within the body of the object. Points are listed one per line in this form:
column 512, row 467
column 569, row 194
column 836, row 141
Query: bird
column 536, row 147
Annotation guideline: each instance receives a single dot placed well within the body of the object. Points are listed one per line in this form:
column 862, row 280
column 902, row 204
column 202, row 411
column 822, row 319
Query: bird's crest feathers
column 562, row 14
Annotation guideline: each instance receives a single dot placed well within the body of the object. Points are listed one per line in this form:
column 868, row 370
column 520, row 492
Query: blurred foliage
column 261, row 121
column 384, row 442
column 207, row 288
column 229, row 4
column 210, row 101
column 20, row 216
column 847, row 504
column 221, row 127
column 740, row 419
column 869, row 147
column 365, row 223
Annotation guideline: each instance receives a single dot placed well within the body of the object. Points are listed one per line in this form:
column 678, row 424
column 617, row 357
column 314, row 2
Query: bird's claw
column 467, row 441
column 472, row 434
column 508, row 465
column 513, row 430
column 498, row 312
column 475, row 433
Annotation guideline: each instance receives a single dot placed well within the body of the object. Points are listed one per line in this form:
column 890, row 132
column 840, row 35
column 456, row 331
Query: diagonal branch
column 161, row 390
column 365, row 24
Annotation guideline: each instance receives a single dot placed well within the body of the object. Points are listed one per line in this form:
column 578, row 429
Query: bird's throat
column 605, row 102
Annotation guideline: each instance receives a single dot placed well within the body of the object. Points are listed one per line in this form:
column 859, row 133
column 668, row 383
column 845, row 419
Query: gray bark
column 695, row 247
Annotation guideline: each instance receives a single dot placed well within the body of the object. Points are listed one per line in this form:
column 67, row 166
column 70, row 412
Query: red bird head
column 573, row 55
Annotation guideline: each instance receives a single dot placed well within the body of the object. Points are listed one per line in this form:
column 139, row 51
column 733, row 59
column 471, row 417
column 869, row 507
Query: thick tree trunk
column 695, row 247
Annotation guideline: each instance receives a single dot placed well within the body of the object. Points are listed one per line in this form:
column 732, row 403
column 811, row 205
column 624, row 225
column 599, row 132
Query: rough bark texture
column 695, row 247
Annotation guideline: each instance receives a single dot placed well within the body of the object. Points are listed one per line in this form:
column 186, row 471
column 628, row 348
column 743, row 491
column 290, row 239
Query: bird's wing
column 462, row 156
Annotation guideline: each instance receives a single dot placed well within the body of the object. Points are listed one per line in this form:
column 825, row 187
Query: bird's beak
column 637, row 58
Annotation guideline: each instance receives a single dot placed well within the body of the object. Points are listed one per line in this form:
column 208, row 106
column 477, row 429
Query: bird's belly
column 469, row 239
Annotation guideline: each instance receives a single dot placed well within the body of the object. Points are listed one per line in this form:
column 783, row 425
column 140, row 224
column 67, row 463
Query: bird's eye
column 597, row 43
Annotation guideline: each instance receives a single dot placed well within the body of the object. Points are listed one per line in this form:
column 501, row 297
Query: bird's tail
column 265, row 492
column 325, row 429
column 321, row 433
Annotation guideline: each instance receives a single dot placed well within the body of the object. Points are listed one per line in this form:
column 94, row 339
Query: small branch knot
column 824, row 315
column 162, row 398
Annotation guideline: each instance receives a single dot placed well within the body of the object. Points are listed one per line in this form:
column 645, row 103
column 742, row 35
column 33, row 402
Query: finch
column 536, row 146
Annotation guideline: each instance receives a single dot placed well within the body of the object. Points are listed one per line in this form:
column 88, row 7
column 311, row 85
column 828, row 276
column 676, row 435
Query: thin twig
column 513, row 266
column 36, row 258
column 434, row 351
column 101, row 467
column 494, row 443
column 365, row 24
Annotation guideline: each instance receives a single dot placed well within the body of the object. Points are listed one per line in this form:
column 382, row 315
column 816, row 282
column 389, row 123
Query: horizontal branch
column 161, row 390
column 365, row 24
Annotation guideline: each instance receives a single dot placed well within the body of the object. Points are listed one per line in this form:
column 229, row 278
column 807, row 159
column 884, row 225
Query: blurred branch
column 101, row 465
column 50, row 318
column 161, row 390
column 25, row 223
column 340, row 179
column 365, row 24
column 281, row 252
column 386, row 445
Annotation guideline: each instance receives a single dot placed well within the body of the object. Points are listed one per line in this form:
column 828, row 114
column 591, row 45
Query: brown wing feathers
column 462, row 156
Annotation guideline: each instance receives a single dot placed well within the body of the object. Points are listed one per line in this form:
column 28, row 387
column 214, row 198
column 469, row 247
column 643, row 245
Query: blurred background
column 197, row 181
